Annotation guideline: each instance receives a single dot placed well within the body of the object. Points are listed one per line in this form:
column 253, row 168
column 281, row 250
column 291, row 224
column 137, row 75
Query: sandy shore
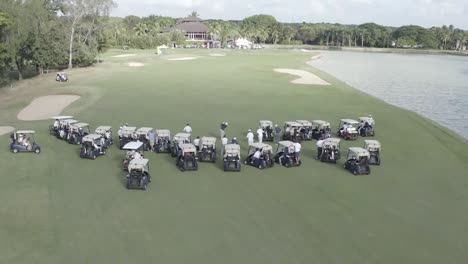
column 6, row 129
column 182, row 59
column 123, row 55
column 42, row 108
column 305, row 77
column 135, row 64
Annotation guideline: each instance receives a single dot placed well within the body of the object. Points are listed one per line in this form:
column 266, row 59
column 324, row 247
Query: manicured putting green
column 58, row 208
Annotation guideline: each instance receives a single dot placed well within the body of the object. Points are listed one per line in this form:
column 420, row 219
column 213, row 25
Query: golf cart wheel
column 288, row 164
column 260, row 166
column 94, row 156
column 182, row 168
column 103, row 152
column 15, row 150
column 144, row 187
column 128, row 184
column 299, row 163
column 245, row 162
column 355, row 172
column 37, row 151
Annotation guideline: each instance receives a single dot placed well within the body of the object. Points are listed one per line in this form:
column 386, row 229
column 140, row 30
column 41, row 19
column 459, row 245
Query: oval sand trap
column 182, row 59
column 44, row 107
column 6, row 129
column 123, row 55
column 136, row 64
column 217, row 55
column 305, row 77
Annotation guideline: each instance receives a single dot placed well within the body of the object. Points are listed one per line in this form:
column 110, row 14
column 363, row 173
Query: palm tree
column 194, row 14
column 140, row 29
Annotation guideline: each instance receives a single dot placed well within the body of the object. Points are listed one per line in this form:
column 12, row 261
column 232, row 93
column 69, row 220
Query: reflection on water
column 434, row 86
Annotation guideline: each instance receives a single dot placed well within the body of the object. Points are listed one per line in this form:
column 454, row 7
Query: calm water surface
column 435, row 86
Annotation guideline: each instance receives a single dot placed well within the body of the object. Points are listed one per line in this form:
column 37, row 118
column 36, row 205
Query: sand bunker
column 305, row 77
column 123, row 55
column 42, row 108
column 6, row 129
column 217, row 55
column 136, row 64
column 182, row 59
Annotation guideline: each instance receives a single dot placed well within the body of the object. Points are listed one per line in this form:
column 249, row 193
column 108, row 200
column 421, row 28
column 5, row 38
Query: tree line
column 37, row 35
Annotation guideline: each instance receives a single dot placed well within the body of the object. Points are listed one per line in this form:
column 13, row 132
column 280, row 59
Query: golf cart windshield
column 265, row 123
column 181, row 137
column 232, row 150
column 372, row 145
column 128, row 131
column 292, row 124
column 264, row 148
column 289, row 145
column 188, row 148
column 92, row 138
column 163, row 133
column 208, row 141
column 331, row 142
column 144, row 130
column 103, row 129
column 320, row 124
column 304, row 123
column 352, row 122
column 367, row 119
column 358, row 153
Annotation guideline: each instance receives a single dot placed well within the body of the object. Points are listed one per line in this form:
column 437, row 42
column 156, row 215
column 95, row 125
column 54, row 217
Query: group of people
column 331, row 152
column 347, row 128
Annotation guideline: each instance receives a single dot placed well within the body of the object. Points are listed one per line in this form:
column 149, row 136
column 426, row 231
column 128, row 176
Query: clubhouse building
column 194, row 28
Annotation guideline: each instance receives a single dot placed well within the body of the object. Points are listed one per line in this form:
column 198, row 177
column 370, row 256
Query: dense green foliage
column 57, row 208
column 39, row 34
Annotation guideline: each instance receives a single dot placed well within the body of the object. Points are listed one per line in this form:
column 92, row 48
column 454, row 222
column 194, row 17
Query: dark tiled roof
column 189, row 27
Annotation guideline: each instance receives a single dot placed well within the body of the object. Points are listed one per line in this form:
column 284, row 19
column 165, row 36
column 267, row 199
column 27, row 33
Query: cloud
column 392, row 13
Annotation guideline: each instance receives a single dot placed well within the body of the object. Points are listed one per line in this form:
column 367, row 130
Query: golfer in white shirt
column 250, row 137
column 260, row 134
column 188, row 129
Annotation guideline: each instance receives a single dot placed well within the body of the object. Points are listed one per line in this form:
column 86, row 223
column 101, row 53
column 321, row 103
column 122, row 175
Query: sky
column 425, row 13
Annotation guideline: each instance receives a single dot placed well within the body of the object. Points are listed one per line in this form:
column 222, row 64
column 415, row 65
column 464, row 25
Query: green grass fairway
column 58, row 208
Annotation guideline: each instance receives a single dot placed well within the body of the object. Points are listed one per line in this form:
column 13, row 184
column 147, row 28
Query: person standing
column 224, row 142
column 319, row 147
column 152, row 139
column 277, row 133
column 297, row 151
column 260, row 134
column 188, row 129
column 250, row 137
column 222, row 129
column 119, row 132
column 196, row 143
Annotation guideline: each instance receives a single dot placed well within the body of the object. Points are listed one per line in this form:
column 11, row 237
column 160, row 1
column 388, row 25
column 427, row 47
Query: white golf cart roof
column 293, row 124
column 371, row 143
column 69, row 121
column 103, row 129
column 367, row 119
column 306, row 123
column 349, row 121
column 232, row 149
column 133, row 145
column 181, row 136
column 137, row 164
column 61, row 117
column 188, row 148
column 79, row 125
column 25, row 132
column 144, row 130
column 262, row 146
column 330, row 142
column 128, row 130
column 91, row 137
column 265, row 123
column 163, row 133
column 321, row 123
column 208, row 141
column 358, row 152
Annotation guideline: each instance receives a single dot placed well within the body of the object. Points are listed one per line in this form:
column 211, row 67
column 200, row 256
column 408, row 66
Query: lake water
column 435, row 86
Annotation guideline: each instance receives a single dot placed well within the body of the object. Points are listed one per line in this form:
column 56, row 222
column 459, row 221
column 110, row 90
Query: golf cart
column 138, row 175
column 207, row 150
column 179, row 138
column 77, row 132
column 142, row 135
column 357, row 161
column 187, row 159
column 131, row 149
column 106, row 133
column 24, row 141
column 366, row 126
column 265, row 159
column 232, row 157
column 163, row 141
column 285, row 154
column 64, row 128
column 330, row 150
column 320, row 129
column 91, row 146
column 61, row 77
column 306, row 129
column 127, row 135
column 267, row 127
column 350, row 132
column 292, row 131
column 55, row 128
column 374, row 147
